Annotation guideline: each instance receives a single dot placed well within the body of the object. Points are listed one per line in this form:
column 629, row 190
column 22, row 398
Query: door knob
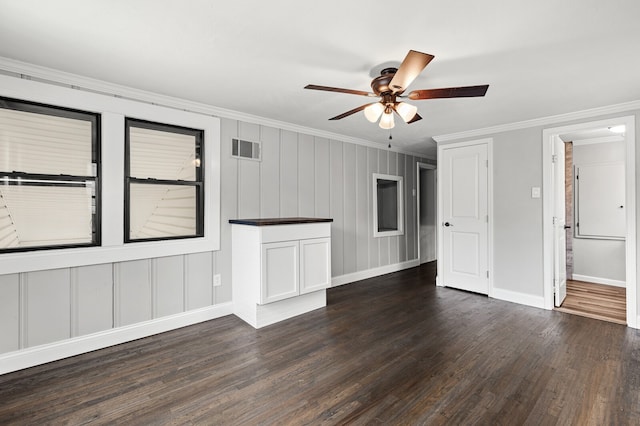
column 447, row 224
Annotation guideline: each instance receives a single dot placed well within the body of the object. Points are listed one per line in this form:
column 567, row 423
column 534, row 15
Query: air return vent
column 245, row 149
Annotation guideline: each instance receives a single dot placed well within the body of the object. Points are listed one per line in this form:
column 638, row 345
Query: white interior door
column 465, row 217
column 559, row 220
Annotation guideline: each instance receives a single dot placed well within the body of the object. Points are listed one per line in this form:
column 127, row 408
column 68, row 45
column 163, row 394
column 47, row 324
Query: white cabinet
column 315, row 264
column 280, row 271
column 280, row 267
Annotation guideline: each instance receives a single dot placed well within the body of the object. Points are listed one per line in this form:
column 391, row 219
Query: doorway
column 605, row 174
column 427, row 212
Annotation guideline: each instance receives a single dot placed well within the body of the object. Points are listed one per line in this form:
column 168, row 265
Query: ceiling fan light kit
column 390, row 86
column 374, row 111
column 386, row 122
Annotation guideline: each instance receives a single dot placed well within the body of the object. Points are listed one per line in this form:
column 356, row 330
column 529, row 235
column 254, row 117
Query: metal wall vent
column 245, row 149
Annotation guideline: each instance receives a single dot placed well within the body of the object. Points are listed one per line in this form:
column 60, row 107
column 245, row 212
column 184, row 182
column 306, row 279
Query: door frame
column 425, row 166
column 548, row 136
column 439, row 171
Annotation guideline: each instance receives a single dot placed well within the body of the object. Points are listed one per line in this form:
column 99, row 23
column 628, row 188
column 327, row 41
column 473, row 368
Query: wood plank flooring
column 393, row 350
column 603, row 302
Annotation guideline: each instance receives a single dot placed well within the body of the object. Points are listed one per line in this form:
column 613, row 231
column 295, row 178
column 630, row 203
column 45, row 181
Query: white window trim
column 400, row 230
column 113, row 111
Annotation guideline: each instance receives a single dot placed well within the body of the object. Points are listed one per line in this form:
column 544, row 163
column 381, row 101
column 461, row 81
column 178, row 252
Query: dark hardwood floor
column 389, row 350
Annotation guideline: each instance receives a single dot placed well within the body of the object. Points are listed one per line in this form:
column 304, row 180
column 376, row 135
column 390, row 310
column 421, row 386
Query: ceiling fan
column 390, row 86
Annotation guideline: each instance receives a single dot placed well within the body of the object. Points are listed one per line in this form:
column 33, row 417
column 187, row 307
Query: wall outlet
column 217, row 281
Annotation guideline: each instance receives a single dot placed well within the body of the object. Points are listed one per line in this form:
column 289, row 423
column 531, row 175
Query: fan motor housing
column 380, row 84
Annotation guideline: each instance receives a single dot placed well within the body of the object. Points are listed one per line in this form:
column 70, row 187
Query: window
column 387, row 205
column 49, row 177
column 75, row 172
column 164, row 181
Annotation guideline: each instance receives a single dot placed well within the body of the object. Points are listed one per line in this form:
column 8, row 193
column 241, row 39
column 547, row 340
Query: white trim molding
column 543, row 121
column 548, row 136
column 25, row 358
column 517, row 297
column 598, row 280
column 373, row 272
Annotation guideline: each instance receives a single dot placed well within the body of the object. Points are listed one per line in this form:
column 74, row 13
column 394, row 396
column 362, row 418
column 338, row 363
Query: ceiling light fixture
column 386, row 122
column 384, row 112
column 406, row 111
column 374, row 111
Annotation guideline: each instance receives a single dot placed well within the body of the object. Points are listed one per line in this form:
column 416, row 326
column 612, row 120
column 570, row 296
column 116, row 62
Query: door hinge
column 487, row 274
column 554, row 158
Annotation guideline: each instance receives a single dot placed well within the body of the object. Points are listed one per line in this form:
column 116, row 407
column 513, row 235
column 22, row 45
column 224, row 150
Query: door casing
column 548, row 137
column 441, row 198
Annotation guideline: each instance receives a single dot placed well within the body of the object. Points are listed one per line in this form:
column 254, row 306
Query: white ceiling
column 540, row 58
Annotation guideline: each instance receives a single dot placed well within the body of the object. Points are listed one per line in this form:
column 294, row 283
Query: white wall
column 599, row 260
column 299, row 175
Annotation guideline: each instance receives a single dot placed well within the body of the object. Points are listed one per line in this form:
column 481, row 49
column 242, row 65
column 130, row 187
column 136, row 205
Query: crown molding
column 46, row 75
column 543, row 121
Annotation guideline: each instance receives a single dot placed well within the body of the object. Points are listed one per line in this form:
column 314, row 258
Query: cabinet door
column 280, row 277
column 315, row 264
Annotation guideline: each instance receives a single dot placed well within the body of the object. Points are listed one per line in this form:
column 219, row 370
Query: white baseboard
column 516, row 297
column 29, row 357
column 373, row 272
column 598, row 280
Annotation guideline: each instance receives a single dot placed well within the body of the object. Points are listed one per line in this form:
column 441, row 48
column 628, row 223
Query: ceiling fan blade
column 410, row 68
column 415, row 118
column 348, row 113
column 449, row 92
column 337, row 89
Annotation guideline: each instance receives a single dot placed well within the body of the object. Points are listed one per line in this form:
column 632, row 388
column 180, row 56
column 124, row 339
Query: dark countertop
column 279, row 221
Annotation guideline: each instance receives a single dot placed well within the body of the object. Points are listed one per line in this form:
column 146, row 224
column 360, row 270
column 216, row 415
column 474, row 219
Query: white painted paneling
column 363, row 209
column 46, row 307
column 199, row 280
column 248, row 176
column 350, row 202
column 132, row 292
column 168, row 285
column 322, row 181
column 402, row 249
column 270, row 173
column 288, row 174
column 228, row 208
column 9, row 313
column 306, row 176
column 298, row 175
column 337, row 208
column 92, row 299
column 374, row 242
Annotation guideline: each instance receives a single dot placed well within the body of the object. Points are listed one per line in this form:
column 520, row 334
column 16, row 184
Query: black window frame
column 198, row 183
column 55, row 180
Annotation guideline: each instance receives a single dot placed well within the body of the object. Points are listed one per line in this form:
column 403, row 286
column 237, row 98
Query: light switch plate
column 535, row 192
column 217, row 281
